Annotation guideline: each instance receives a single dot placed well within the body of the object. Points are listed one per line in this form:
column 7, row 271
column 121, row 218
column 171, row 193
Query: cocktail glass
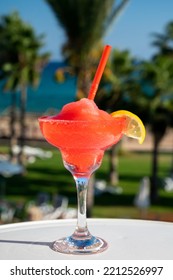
column 82, row 145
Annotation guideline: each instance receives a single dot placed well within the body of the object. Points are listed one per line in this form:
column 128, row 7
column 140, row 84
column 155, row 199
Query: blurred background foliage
column 143, row 87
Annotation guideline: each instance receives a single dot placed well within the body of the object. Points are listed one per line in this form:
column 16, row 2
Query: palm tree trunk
column 113, row 174
column 23, row 99
column 154, row 186
column 84, row 82
column 13, row 138
column 171, row 170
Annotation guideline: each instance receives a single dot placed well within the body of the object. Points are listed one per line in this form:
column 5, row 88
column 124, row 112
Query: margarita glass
column 82, row 144
column 82, row 133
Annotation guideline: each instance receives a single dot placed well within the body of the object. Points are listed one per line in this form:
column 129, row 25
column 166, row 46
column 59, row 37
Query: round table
column 127, row 239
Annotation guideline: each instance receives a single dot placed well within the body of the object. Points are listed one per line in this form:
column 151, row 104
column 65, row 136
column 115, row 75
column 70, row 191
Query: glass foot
column 69, row 245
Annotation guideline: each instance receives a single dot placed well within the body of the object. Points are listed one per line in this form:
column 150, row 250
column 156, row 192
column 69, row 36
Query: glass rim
column 49, row 119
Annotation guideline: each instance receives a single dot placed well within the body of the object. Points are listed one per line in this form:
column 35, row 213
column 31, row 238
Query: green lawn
column 50, row 176
column 132, row 167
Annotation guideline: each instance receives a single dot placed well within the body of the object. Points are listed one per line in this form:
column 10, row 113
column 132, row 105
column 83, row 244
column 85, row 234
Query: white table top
column 127, row 239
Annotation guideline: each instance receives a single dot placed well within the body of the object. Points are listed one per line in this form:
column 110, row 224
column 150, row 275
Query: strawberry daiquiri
column 82, row 133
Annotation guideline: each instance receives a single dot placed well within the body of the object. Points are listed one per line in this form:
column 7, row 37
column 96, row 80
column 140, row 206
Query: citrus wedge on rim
column 134, row 126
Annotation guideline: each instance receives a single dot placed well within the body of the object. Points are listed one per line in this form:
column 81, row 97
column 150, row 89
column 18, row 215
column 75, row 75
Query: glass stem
column 81, row 228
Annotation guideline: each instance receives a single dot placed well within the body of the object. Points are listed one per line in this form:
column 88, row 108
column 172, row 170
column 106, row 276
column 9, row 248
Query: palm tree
column 158, row 74
column 163, row 42
column 142, row 87
column 20, row 62
column 85, row 23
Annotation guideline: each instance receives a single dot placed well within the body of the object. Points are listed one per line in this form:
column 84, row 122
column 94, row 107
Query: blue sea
column 48, row 95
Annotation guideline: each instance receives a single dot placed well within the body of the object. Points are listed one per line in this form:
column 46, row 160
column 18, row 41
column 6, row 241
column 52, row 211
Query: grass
column 132, row 167
column 50, row 176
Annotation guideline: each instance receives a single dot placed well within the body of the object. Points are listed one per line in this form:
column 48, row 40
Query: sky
column 132, row 30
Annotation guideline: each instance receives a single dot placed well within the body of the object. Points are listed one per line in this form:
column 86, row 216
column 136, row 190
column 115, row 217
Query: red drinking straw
column 99, row 72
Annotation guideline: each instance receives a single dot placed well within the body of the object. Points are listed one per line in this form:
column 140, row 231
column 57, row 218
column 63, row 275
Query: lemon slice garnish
column 134, row 126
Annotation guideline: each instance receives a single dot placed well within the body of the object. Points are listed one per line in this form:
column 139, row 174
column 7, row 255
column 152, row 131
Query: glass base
column 69, row 245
